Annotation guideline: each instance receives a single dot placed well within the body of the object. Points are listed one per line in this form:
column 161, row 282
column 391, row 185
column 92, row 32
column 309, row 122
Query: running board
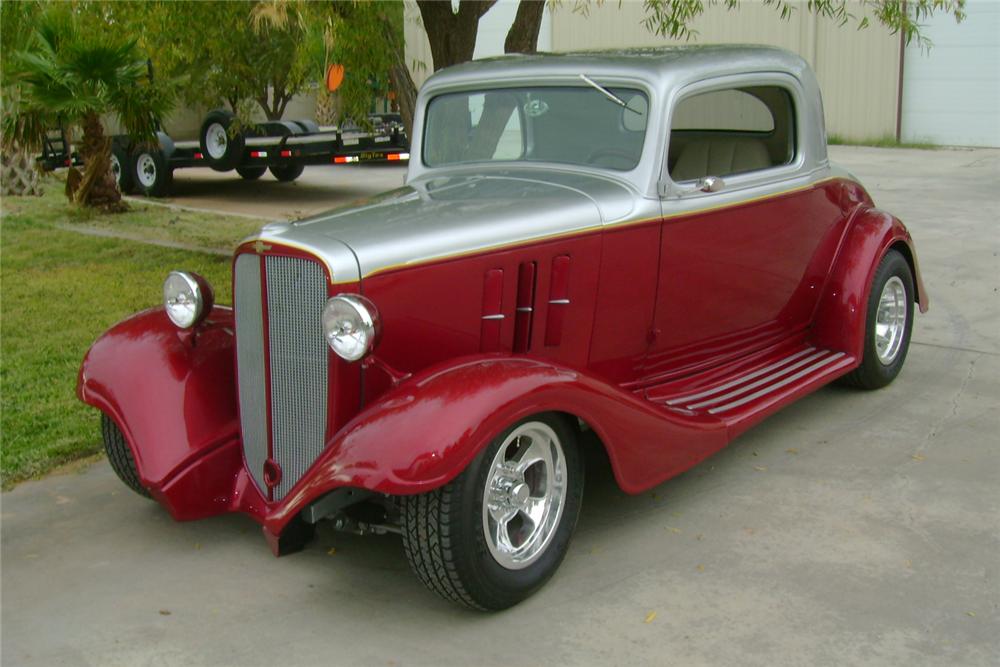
column 753, row 390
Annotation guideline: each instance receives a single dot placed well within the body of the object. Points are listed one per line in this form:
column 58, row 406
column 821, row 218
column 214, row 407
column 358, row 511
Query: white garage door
column 952, row 94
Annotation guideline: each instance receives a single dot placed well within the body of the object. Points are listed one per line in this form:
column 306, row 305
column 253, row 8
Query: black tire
column 153, row 176
column 444, row 531
column 875, row 373
column 123, row 169
column 251, row 173
column 224, row 151
column 286, row 172
column 307, row 125
column 120, row 456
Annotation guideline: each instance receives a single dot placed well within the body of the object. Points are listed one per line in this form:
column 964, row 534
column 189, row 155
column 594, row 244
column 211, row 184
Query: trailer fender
column 173, row 396
column 840, row 316
column 422, row 434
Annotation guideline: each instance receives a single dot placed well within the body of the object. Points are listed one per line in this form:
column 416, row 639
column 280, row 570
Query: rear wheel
column 888, row 324
column 286, row 173
column 121, row 167
column 498, row 532
column 251, row 173
column 153, row 176
column 120, row 456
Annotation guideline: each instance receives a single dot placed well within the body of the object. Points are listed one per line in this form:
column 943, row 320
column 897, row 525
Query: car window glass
column 562, row 124
column 732, row 131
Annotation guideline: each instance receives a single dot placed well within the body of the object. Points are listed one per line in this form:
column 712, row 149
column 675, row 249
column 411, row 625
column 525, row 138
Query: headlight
column 187, row 298
column 351, row 325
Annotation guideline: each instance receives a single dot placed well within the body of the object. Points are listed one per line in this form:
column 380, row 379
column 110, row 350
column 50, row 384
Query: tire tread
column 428, row 544
column 120, row 456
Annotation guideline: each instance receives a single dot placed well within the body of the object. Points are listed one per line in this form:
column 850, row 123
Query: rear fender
column 840, row 317
column 422, row 434
column 172, row 394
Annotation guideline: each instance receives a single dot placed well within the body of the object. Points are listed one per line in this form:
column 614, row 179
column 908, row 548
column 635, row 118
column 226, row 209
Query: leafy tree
column 17, row 167
column 73, row 75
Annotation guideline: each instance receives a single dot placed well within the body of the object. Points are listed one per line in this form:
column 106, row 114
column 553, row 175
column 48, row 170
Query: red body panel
column 584, row 346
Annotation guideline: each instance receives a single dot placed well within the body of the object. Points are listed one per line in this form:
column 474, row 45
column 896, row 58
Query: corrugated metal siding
column 857, row 70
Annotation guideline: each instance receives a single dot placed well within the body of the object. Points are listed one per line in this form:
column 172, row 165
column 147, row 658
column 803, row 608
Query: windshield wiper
column 608, row 94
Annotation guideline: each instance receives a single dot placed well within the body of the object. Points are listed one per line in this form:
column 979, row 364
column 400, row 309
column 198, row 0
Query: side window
column 734, row 131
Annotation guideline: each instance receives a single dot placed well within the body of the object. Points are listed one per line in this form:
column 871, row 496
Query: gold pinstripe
column 550, row 237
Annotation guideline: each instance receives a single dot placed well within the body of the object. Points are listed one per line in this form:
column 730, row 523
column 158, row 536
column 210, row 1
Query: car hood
column 448, row 216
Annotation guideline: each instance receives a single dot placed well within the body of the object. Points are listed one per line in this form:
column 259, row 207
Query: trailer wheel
column 307, row 125
column 121, row 167
column 153, row 176
column 222, row 151
column 251, row 173
column 286, row 173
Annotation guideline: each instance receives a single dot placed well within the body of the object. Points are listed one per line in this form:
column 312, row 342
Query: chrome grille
column 250, row 364
column 296, row 293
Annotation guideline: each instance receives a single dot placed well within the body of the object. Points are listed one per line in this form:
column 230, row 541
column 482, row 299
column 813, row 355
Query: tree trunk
column 406, row 91
column 97, row 188
column 523, row 34
column 452, row 35
column 18, row 175
column 326, row 107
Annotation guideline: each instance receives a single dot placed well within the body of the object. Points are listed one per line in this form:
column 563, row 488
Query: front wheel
column 888, row 324
column 499, row 531
column 120, row 456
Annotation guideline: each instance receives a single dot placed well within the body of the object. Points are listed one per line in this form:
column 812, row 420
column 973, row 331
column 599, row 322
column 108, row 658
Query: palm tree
column 73, row 76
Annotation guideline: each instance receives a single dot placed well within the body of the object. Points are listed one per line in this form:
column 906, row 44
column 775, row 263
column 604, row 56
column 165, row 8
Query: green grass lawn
column 59, row 290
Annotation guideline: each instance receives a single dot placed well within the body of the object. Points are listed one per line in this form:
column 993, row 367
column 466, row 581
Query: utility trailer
column 283, row 147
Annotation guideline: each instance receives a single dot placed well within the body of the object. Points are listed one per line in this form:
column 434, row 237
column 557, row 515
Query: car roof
column 658, row 65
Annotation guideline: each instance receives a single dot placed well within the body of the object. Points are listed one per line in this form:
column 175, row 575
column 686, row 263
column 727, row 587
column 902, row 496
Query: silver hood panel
column 457, row 214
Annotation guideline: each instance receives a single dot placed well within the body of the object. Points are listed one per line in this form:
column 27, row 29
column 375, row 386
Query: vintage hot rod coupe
column 649, row 245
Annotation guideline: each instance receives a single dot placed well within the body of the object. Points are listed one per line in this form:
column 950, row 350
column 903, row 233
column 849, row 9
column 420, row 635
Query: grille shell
column 284, row 393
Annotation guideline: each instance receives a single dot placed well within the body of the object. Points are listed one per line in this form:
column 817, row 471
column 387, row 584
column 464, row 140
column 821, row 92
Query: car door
column 748, row 227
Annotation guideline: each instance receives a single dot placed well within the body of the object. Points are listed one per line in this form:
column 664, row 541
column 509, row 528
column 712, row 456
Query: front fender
column 173, row 396
column 841, row 313
column 423, row 433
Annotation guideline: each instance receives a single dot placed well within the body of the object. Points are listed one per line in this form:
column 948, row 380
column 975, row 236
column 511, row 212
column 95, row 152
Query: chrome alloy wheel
column 890, row 320
column 216, row 141
column 116, row 169
column 145, row 170
column 524, row 495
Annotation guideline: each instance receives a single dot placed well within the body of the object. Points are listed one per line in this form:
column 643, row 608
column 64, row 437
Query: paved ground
column 852, row 528
column 317, row 190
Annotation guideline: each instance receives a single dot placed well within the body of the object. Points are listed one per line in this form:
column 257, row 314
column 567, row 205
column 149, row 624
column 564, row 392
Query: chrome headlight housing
column 351, row 326
column 187, row 298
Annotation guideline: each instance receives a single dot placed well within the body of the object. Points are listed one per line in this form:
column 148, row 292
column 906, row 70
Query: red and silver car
column 648, row 245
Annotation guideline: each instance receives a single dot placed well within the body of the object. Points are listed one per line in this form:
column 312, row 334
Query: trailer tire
column 251, row 173
column 286, row 173
column 123, row 168
column 153, row 176
column 222, row 150
column 307, row 125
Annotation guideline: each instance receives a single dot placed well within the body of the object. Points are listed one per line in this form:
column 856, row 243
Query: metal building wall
column 857, row 70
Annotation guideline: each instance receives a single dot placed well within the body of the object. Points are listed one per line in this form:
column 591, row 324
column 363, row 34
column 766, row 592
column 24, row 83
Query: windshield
column 566, row 124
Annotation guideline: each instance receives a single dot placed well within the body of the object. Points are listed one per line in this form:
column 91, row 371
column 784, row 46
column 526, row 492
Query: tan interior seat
column 719, row 156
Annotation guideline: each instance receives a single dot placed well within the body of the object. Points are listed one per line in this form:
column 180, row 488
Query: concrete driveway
column 853, row 528
column 318, row 189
